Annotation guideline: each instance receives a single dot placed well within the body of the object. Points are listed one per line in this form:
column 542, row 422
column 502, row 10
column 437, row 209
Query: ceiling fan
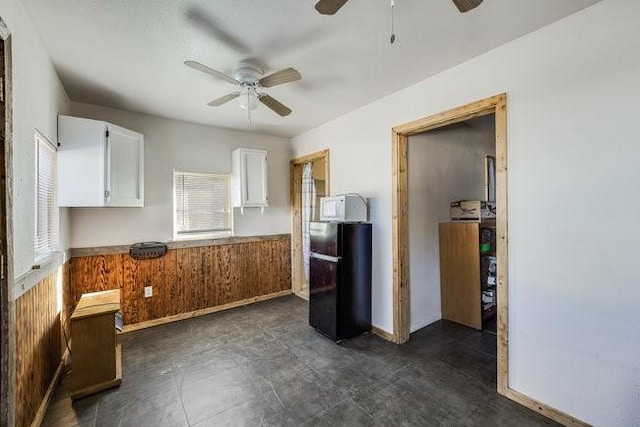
column 250, row 81
column 329, row 7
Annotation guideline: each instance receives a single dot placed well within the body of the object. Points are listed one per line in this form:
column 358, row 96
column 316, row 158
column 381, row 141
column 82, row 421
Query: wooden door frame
column 295, row 186
column 400, row 214
column 7, row 313
column 400, row 240
column 400, row 247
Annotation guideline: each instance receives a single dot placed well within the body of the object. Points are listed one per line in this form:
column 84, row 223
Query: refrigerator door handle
column 325, row 257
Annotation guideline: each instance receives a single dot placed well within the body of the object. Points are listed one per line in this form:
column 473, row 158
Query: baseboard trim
column 383, row 334
column 302, row 295
column 202, row 312
column 543, row 409
column 46, row 400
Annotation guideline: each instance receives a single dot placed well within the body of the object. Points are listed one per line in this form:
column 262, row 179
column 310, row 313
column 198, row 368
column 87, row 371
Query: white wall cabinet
column 249, row 173
column 99, row 164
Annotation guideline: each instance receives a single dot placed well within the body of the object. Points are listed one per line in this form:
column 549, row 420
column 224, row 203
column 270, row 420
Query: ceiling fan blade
column 466, row 5
column 329, row 7
column 280, row 77
column 198, row 66
column 223, row 99
column 276, row 106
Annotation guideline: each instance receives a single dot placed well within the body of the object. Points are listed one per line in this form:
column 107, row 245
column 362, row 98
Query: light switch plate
column 148, row 291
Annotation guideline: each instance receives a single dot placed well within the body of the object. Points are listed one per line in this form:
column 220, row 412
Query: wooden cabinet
column 99, row 164
column 462, row 264
column 95, row 346
column 249, row 173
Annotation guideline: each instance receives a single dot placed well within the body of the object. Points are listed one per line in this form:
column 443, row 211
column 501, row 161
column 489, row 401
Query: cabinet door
column 249, row 171
column 125, row 186
column 81, row 162
column 254, row 188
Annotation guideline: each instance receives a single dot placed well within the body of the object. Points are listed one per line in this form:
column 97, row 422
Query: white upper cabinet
column 99, row 164
column 249, row 178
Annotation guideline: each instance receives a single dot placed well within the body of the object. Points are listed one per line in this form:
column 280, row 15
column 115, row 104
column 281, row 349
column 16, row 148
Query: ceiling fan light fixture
column 248, row 98
column 249, row 80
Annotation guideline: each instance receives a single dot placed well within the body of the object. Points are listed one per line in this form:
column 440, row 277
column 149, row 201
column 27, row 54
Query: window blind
column 202, row 203
column 45, row 196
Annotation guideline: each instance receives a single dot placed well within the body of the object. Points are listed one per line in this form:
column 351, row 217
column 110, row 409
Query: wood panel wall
column 186, row 280
column 39, row 346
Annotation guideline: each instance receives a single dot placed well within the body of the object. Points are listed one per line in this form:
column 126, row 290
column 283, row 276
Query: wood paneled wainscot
column 39, row 345
column 193, row 278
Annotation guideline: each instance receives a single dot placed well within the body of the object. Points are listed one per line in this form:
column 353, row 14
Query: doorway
column 400, row 238
column 311, row 170
column 446, row 263
column 6, row 309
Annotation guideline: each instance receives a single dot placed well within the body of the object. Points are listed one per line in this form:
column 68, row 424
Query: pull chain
column 248, row 110
column 393, row 35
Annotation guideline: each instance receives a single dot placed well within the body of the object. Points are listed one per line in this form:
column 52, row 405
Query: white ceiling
column 129, row 54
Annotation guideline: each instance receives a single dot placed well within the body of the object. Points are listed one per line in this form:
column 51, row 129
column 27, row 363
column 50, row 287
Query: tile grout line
column 179, row 390
column 95, row 414
column 228, row 409
column 276, row 393
column 476, row 349
column 328, row 409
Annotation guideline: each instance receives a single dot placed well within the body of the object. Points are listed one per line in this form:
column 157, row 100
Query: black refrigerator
column 340, row 279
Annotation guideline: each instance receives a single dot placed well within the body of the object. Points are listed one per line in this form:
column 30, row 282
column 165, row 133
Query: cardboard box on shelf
column 472, row 210
column 489, row 296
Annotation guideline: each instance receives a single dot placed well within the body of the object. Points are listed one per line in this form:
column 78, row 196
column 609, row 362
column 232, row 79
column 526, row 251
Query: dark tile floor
column 263, row 365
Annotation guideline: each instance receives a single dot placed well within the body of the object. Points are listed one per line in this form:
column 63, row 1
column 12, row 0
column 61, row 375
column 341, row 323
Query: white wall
column 185, row 146
column 445, row 165
column 573, row 148
column 38, row 96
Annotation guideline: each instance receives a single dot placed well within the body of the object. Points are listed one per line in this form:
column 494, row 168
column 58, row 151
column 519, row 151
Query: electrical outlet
column 148, row 291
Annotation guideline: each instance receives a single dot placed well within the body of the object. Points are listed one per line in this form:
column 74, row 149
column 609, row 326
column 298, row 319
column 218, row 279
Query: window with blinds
column 46, row 166
column 202, row 204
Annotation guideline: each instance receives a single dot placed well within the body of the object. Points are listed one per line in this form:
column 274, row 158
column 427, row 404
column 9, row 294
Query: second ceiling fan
column 329, row 7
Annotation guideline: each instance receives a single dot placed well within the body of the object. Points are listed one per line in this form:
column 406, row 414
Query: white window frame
column 205, row 235
column 41, row 252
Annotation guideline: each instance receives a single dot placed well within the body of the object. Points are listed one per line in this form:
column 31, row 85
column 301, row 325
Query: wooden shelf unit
column 460, row 273
column 96, row 361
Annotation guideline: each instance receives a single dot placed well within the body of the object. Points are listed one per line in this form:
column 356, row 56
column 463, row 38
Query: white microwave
column 345, row 208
